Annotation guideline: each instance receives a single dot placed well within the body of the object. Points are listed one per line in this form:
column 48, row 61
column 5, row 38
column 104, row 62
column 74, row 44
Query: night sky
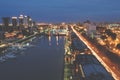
column 62, row 10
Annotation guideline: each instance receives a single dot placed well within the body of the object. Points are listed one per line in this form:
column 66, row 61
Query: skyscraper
column 29, row 21
column 21, row 20
column 25, row 21
column 6, row 21
column 14, row 21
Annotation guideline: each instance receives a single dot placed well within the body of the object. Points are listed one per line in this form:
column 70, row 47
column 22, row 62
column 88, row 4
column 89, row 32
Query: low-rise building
column 89, row 68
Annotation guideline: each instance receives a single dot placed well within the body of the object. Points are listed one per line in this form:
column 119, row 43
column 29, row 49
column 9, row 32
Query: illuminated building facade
column 14, row 21
column 21, row 20
column 29, row 21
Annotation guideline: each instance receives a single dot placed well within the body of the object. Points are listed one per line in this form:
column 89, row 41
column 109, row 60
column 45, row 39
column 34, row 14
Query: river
column 44, row 60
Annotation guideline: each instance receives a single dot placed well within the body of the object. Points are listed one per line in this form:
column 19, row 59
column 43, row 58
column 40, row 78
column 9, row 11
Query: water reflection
column 15, row 49
column 39, row 62
column 57, row 40
column 49, row 38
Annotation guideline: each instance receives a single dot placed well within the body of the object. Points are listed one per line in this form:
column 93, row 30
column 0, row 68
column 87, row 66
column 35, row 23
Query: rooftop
column 91, row 68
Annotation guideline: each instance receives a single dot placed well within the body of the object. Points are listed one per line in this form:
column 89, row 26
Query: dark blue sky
column 63, row 10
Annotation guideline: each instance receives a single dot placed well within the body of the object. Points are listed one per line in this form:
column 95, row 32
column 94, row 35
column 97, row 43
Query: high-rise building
column 6, row 21
column 14, row 21
column 21, row 20
column 34, row 23
column 25, row 21
column 29, row 21
column 91, row 29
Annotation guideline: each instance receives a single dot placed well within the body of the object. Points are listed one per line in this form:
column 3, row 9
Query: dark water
column 43, row 61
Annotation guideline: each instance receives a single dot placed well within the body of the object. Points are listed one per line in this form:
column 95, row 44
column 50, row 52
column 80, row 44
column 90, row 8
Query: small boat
column 2, row 59
column 10, row 55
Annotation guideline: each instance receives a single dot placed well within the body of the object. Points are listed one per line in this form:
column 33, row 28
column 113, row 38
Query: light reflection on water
column 57, row 40
column 38, row 61
column 14, row 50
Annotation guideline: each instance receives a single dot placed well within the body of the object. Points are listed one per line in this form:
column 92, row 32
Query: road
column 111, row 67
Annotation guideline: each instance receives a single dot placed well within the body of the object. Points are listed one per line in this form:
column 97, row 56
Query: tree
column 108, row 32
column 103, row 37
column 24, row 32
column 113, row 36
column 118, row 46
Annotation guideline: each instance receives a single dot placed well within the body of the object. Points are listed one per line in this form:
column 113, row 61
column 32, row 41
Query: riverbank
column 67, row 60
column 67, row 71
column 4, row 46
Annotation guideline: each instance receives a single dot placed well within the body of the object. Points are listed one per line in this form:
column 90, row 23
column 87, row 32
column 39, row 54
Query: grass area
column 67, row 71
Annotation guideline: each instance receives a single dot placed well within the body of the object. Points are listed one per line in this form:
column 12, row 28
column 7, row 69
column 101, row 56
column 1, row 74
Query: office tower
column 6, row 21
column 34, row 23
column 14, row 21
column 25, row 21
column 29, row 21
column 21, row 21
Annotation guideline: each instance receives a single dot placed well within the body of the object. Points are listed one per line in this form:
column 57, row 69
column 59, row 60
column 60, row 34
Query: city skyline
column 60, row 10
column 60, row 40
